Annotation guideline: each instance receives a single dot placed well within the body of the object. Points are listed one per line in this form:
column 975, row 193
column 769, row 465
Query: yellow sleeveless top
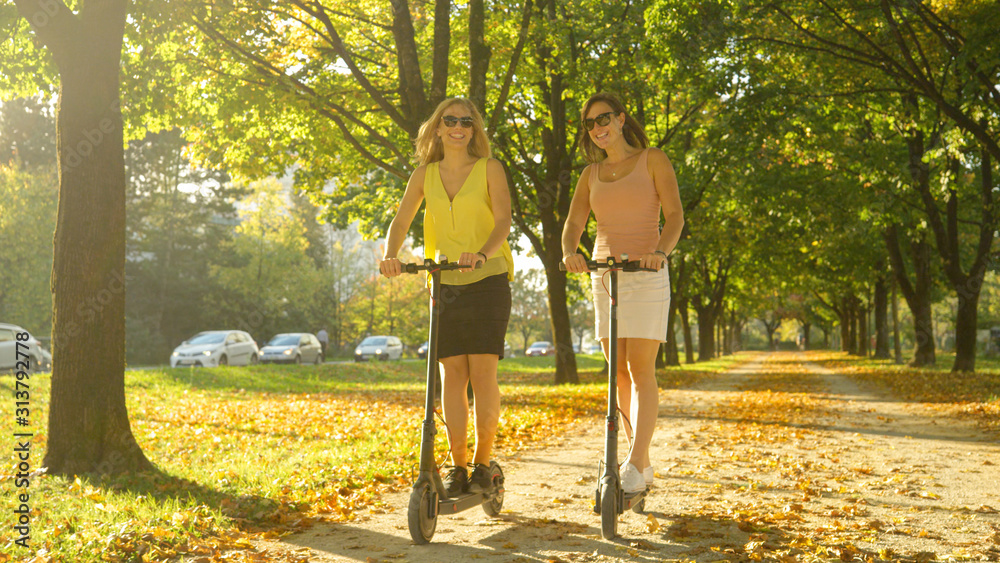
column 452, row 227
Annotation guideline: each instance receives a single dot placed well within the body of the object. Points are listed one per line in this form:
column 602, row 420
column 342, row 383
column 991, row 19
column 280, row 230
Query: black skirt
column 474, row 317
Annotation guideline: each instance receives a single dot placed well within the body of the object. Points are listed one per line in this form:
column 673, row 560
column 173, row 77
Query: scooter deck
column 633, row 501
column 466, row 501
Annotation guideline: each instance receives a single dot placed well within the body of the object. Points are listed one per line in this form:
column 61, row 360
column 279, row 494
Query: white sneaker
column 648, row 475
column 632, row 480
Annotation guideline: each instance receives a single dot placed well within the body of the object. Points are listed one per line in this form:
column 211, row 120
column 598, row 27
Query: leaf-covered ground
column 250, row 453
column 833, row 460
column 779, row 460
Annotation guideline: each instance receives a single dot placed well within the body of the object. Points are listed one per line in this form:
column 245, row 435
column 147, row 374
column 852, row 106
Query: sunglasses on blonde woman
column 602, row 120
column 451, row 121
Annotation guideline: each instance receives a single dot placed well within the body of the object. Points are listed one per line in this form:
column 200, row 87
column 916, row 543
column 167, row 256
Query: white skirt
column 643, row 304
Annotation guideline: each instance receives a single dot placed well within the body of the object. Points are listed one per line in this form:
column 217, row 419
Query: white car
column 379, row 348
column 292, row 348
column 38, row 358
column 216, row 348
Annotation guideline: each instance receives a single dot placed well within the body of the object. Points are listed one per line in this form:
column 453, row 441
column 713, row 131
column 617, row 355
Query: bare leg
column 641, row 359
column 483, row 372
column 455, row 406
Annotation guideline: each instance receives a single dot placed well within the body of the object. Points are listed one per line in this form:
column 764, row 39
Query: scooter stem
column 427, row 462
column 611, row 431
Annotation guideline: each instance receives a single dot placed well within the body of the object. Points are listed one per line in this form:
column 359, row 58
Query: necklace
column 614, row 171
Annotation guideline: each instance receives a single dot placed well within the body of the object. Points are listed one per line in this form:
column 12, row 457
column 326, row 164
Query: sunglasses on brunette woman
column 602, row 120
column 451, row 121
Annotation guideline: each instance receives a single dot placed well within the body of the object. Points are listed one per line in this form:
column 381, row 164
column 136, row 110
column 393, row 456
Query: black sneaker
column 480, row 481
column 456, row 481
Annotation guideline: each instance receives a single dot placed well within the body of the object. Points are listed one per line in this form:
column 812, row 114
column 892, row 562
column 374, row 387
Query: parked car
column 379, row 348
column 216, row 348
column 508, row 352
column 422, row 350
column 38, row 358
column 292, row 348
column 592, row 348
column 540, row 348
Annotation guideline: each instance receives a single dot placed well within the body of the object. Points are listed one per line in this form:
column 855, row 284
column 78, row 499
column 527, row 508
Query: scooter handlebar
column 428, row 265
column 624, row 265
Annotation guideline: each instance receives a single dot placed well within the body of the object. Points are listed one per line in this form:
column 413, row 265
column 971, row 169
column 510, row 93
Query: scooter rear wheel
column 494, row 505
column 609, row 512
column 422, row 513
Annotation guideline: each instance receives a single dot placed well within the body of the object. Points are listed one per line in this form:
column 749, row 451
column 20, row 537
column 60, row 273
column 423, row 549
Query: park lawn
column 975, row 395
column 261, row 451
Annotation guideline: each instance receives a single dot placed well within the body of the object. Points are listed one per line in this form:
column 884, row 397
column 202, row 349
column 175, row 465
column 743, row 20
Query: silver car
column 379, row 348
column 37, row 358
column 216, row 348
column 292, row 348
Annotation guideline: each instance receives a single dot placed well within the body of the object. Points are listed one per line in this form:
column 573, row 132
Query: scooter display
column 610, row 499
column 429, row 498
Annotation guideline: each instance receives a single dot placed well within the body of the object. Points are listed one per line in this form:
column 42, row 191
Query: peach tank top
column 627, row 212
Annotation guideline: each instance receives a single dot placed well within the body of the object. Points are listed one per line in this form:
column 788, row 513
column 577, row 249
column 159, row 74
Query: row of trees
column 819, row 144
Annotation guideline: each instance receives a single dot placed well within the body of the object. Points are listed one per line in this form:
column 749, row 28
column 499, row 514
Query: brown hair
column 631, row 130
column 429, row 148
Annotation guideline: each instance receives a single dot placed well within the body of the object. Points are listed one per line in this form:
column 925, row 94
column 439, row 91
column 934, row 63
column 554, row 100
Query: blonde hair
column 428, row 145
column 631, row 130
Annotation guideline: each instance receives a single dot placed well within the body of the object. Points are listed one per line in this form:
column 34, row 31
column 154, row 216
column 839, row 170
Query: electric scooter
column 429, row 499
column 610, row 499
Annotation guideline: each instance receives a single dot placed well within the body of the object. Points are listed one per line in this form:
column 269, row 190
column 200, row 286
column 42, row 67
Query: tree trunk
column 806, row 327
column 881, row 316
column 852, row 325
column 846, row 325
column 562, row 334
column 669, row 354
column 706, row 332
column 479, row 54
column 917, row 295
column 897, row 346
column 686, row 327
column 946, row 235
column 89, row 428
column 864, row 343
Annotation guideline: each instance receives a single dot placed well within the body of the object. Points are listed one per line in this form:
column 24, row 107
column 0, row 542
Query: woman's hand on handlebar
column 390, row 267
column 468, row 261
column 575, row 263
column 653, row 261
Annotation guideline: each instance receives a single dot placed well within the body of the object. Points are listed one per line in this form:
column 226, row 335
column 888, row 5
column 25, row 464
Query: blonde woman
column 627, row 185
column 467, row 218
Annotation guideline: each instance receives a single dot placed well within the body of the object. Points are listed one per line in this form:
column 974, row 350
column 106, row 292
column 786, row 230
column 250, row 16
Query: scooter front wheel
column 493, row 506
column 422, row 513
column 609, row 511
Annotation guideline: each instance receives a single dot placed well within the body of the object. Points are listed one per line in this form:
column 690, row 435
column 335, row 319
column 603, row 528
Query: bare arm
column 496, row 184
column 576, row 222
column 408, row 207
column 665, row 182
